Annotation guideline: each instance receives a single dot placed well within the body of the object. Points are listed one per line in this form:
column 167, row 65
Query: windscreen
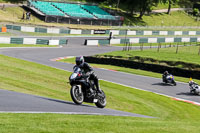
column 77, row 70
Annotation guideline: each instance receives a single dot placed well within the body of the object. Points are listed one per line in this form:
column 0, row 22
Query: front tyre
column 77, row 94
column 101, row 103
column 174, row 82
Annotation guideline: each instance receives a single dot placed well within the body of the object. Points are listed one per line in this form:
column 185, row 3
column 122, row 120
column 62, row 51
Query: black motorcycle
column 169, row 79
column 84, row 90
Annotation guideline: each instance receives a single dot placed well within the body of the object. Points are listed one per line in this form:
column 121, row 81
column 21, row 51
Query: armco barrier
column 41, row 30
column 91, row 42
column 17, row 41
column 8, row 40
column 17, row 28
column 42, row 41
column 104, row 42
column 144, row 66
column 63, row 42
column 146, row 40
column 114, row 32
column 5, row 40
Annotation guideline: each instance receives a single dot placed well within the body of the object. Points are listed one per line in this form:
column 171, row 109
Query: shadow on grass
column 131, row 20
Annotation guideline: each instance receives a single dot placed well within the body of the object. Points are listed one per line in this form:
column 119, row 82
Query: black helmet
column 166, row 72
column 79, row 60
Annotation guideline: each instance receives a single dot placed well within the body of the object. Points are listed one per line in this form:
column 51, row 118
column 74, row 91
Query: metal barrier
column 83, row 21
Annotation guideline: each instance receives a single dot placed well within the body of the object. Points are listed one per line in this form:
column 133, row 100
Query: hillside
column 178, row 18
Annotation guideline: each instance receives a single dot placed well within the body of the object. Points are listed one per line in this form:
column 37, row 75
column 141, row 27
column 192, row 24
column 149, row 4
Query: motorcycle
column 169, row 79
column 194, row 88
column 84, row 90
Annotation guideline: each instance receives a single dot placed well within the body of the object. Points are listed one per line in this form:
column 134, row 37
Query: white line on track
column 67, row 113
column 39, row 112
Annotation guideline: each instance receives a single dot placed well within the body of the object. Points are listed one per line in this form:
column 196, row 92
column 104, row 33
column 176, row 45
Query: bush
column 195, row 12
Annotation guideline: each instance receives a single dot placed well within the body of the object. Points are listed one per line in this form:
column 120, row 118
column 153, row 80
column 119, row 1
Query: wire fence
column 157, row 27
column 190, row 47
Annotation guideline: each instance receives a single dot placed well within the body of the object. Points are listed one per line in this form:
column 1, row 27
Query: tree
column 145, row 6
column 141, row 6
column 187, row 3
column 170, row 3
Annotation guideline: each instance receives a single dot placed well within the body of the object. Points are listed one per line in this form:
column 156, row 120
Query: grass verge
column 156, row 44
column 178, row 18
column 187, row 57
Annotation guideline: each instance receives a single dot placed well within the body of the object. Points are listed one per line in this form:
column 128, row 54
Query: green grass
column 188, row 54
column 40, row 123
column 178, row 18
column 23, row 76
column 6, row 34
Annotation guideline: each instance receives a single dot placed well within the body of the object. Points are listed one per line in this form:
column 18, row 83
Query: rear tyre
column 101, row 103
column 174, row 83
column 77, row 94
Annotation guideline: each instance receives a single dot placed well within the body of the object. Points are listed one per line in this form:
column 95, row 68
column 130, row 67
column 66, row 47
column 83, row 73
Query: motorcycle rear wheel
column 101, row 103
column 77, row 95
column 174, row 82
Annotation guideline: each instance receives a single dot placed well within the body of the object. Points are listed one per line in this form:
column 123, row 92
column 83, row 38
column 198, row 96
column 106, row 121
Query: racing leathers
column 89, row 72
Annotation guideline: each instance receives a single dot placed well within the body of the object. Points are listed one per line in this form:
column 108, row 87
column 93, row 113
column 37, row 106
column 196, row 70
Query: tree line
column 143, row 6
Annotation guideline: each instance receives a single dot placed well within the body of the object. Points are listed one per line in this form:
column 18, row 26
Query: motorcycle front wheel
column 77, row 94
column 101, row 103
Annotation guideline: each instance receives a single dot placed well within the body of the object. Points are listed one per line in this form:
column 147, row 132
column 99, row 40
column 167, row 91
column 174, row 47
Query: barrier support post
column 199, row 50
column 177, row 48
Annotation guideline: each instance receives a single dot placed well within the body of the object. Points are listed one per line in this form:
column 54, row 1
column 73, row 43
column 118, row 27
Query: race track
column 44, row 56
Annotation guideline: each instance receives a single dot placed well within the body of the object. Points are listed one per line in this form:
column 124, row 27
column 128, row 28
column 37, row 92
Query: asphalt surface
column 23, row 103
column 44, row 56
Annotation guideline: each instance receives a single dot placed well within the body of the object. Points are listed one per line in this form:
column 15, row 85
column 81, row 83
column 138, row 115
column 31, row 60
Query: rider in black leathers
column 87, row 70
column 164, row 76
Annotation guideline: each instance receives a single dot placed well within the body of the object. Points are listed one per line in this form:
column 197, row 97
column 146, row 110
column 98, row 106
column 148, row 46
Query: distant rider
column 87, row 70
column 164, row 76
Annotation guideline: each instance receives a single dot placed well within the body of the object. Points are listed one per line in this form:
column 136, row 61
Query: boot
column 98, row 89
column 90, row 92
